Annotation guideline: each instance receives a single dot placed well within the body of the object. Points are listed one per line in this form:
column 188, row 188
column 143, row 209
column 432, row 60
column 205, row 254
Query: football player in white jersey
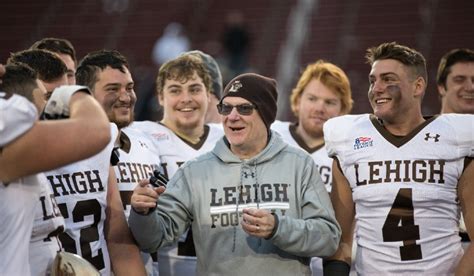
column 107, row 73
column 96, row 228
column 400, row 177
column 323, row 91
column 183, row 86
column 48, row 222
column 455, row 80
column 20, row 185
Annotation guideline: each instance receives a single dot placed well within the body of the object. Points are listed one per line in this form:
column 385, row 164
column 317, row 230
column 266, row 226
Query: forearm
column 125, row 258
column 146, row 230
column 89, row 117
column 83, row 135
column 124, row 254
column 466, row 265
column 316, row 237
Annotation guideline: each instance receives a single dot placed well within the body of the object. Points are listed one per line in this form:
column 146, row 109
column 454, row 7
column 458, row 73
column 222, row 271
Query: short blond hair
column 332, row 77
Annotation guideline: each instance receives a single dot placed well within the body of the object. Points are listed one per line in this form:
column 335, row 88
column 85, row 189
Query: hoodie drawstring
column 257, row 198
column 239, row 188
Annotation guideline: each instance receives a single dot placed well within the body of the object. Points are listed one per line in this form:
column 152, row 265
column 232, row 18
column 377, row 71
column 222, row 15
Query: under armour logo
column 435, row 137
column 235, row 86
column 142, row 144
column 246, row 174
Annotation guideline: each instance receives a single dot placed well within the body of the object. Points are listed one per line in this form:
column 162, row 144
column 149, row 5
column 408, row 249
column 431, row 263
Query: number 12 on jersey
column 400, row 226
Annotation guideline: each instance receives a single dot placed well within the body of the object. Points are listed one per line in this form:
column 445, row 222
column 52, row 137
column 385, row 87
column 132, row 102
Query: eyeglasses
column 242, row 109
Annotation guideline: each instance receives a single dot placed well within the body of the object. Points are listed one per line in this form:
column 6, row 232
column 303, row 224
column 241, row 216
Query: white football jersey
column 17, row 115
column 319, row 154
column 48, row 224
column 404, row 190
column 80, row 190
column 178, row 260
column 18, row 198
column 138, row 158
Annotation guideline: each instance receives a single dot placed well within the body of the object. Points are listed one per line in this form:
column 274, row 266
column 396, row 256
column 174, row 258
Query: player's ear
column 442, row 90
column 160, row 97
column 420, row 86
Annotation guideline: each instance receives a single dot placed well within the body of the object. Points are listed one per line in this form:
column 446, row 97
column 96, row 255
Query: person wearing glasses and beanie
column 183, row 87
column 255, row 204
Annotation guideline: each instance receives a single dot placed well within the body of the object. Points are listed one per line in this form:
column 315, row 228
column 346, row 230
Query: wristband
column 335, row 268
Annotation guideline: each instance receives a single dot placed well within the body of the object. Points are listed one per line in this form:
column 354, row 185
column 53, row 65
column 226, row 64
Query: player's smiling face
column 315, row 106
column 114, row 91
column 458, row 95
column 392, row 90
column 247, row 134
column 184, row 103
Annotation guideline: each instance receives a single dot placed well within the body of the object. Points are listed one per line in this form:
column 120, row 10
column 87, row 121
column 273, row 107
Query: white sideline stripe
column 265, row 205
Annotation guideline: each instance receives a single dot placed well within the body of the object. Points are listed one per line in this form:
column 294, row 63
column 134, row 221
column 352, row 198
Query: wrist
column 335, row 268
column 275, row 226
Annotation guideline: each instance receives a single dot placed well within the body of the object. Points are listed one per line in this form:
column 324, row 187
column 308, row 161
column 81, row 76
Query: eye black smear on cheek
column 393, row 89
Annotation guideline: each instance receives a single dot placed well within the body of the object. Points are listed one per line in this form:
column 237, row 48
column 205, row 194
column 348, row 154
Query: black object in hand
column 158, row 179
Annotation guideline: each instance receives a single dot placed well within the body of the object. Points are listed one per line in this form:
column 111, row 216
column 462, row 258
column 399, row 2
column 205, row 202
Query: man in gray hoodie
column 256, row 205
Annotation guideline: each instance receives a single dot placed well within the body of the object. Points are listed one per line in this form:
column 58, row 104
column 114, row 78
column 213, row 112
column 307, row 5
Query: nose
column 377, row 86
column 320, row 105
column 185, row 96
column 233, row 115
column 124, row 95
column 469, row 84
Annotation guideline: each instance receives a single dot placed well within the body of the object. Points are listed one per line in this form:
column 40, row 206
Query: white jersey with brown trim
column 17, row 198
column 404, row 190
column 138, row 158
column 80, row 190
column 173, row 150
column 319, row 154
column 48, row 224
column 17, row 116
column 178, row 259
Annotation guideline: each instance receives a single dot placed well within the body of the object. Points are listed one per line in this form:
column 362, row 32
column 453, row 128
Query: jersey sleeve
column 17, row 116
column 463, row 125
column 335, row 130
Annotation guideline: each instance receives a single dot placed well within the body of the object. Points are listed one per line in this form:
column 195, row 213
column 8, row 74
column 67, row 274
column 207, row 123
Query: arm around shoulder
column 52, row 144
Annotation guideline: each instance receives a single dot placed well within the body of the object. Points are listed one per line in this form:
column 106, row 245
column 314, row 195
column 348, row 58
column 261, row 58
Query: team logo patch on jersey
column 160, row 136
column 363, row 142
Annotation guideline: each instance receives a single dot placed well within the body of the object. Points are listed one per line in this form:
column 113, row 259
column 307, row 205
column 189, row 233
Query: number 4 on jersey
column 400, row 226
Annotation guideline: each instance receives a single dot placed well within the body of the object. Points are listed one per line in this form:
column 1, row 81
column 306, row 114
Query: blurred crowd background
column 276, row 38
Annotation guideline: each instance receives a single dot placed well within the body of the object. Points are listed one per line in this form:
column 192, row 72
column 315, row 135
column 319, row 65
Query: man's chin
column 189, row 124
column 122, row 123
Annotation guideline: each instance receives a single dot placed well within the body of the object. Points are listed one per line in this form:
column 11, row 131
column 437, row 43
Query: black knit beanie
column 259, row 90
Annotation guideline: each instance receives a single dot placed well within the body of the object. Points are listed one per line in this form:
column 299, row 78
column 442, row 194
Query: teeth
column 186, row 109
column 468, row 97
column 381, row 101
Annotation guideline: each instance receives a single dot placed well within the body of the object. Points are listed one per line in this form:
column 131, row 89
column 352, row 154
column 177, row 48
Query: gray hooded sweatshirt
column 209, row 194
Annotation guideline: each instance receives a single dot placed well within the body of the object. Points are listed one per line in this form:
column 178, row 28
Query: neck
column 192, row 135
column 404, row 127
column 446, row 109
column 249, row 151
column 310, row 141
